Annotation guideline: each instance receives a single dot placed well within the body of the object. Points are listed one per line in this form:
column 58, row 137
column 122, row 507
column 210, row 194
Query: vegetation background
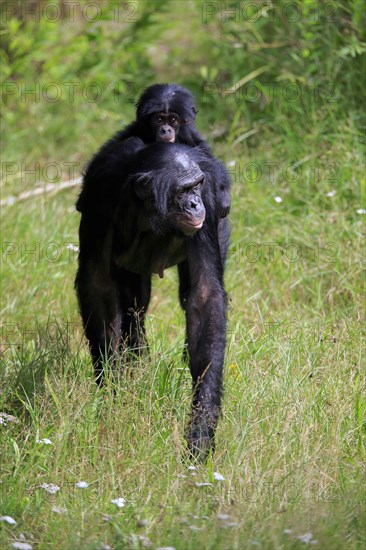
column 280, row 87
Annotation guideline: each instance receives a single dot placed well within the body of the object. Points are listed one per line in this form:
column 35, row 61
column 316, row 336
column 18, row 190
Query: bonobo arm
column 206, row 331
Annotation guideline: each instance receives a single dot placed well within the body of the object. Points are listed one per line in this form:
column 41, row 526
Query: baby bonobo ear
column 142, row 185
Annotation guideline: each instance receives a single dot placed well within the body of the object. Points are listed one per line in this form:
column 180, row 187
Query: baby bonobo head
column 166, row 112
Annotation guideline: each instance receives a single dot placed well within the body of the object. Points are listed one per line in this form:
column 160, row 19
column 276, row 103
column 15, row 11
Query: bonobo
column 166, row 112
column 158, row 210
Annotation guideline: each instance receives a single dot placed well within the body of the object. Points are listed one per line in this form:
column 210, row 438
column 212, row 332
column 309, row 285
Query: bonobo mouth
column 167, row 139
column 189, row 228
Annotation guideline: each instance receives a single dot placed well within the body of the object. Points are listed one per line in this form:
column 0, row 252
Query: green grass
column 292, row 436
column 291, row 440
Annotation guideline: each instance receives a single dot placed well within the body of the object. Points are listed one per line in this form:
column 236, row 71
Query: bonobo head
column 164, row 111
column 169, row 182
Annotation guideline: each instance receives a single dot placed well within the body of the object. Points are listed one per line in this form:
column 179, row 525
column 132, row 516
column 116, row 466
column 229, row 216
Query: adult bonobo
column 166, row 112
column 158, row 209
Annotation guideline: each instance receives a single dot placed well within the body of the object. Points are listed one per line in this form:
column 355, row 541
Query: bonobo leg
column 98, row 302
column 184, row 283
column 206, row 330
column 134, row 298
column 113, row 310
column 184, row 289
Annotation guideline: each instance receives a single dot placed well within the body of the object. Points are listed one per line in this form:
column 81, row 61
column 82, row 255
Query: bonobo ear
column 142, row 185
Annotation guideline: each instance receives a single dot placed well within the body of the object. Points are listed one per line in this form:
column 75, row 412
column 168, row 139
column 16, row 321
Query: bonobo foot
column 201, row 436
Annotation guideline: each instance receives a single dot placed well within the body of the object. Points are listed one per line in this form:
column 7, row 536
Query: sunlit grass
column 291, row 440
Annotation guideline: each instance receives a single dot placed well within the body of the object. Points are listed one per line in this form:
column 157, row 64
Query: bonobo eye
column 158, row 119
column 173, row 120
column 198, row 184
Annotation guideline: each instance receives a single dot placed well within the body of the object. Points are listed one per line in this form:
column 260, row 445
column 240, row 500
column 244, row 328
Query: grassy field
column 88, row 468
column 291, row 441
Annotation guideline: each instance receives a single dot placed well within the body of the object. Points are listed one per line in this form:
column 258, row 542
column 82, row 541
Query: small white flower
column 81, row 484
column 145, row 542
column 4, row 418
column 192, row 468
column 278, row 199
column 22, row 546
column 361, row 211
column 223, row 517
column 218, row 476
column 331, row 193
column 58, row 510
column 45, row 441
column 231, row 163
column 50, row 488
column 308, row 537
column 8, row 519
column 287, row 531
column 202, row 484
column 120, row 502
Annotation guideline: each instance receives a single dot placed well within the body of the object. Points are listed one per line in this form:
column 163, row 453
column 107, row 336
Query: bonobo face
column 169, row 183
column 186, row 210
column 165, row 126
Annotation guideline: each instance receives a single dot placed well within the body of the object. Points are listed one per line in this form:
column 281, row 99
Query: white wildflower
column 22, row 546
column 45, row 441
column 4, row 418
column 218, row 476
column 8, row 519
column 120, row 502
column 361, row 211
column 59, row 510
column 192, row 468
column 307, row 538
column 278, row 199
column 202, row 484
column 287, row 531
column 50, row 488
column 331, row 193
column 81, row 485
column 145, row 542
column 223, row 517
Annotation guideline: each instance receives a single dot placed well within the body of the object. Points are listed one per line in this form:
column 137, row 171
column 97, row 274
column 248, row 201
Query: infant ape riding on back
column 166, row 112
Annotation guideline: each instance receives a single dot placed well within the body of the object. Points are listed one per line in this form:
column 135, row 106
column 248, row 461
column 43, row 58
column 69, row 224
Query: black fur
column 173, row 99
column 142, row 213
